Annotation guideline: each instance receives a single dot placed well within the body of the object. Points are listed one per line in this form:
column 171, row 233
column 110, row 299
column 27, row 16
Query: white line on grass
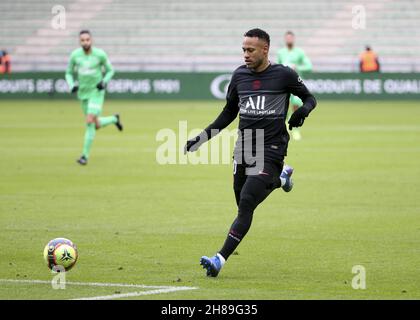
column 157, row 289
column 137, row 294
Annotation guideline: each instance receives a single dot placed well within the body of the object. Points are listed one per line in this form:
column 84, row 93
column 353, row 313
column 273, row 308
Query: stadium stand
column 200, row 35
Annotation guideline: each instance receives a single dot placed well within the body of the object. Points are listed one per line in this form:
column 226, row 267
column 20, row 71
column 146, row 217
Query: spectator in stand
column 4, row 62
column 369, row 61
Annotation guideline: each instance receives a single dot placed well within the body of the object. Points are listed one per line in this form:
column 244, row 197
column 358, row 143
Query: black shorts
column 269, row 175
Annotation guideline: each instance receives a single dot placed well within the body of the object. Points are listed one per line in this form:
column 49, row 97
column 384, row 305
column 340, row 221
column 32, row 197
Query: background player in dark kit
column 260, row 93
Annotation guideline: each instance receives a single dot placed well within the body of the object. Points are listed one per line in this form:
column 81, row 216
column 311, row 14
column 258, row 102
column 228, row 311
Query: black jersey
column 262, row 101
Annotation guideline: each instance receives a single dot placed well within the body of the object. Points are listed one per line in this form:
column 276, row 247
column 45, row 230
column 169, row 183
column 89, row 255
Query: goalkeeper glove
column 100, row 86
column 74, row 89
column 192, row 145
column 195, row 143
column 298, row 117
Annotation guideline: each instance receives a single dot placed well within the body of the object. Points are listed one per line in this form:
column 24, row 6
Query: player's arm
column 228, row 114
column 296, row 87
column 69, row 74
column 305, row 64
column 109, row 72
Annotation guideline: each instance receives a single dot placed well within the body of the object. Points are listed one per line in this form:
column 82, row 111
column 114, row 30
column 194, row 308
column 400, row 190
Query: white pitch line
column 94, row 284
column 158, row 289
column 137, row 294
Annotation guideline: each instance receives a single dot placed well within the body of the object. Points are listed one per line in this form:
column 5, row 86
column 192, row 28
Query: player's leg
column 295, row 103
column 105, row 121
column 93, row 110
column 114, row 119
column 84, row 106
column 255, row 189
column 239, row 178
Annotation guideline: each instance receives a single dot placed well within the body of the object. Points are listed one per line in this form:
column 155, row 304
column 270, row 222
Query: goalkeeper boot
column 83, row 161
column 286, row 178
column 213, row 265
column 118, row 124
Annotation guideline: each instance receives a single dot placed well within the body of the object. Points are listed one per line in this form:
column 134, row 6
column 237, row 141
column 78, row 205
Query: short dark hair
column 84, row 31
column 258, row 33
column 289, row 32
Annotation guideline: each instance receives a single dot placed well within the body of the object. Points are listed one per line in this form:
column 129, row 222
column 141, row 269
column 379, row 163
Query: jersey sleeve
column 229, row 112
column 70, row 71
column 305, row 64
column 109, row 70
column 296, row 87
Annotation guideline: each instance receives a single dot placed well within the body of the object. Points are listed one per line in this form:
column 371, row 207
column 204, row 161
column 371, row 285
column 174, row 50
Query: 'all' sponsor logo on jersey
column 257, row 105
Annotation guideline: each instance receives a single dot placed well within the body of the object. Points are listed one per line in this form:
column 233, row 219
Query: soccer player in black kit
column 259, row 91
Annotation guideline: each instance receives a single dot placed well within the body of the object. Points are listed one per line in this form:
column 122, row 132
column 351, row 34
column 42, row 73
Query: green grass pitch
column 356, row 201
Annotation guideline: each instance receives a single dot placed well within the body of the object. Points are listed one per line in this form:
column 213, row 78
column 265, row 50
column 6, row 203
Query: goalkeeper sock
column 104, row 121
column 89, row 136
column 221, row 258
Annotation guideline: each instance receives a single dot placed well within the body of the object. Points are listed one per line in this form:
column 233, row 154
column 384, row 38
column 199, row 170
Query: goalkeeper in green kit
column 94, row 71
column 296, row 59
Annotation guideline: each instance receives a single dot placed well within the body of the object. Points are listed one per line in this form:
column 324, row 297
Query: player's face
column 85, row 41
column 289, row 39
column 255, row 52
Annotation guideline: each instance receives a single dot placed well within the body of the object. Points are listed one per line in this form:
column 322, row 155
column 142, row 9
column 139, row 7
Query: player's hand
column 192, row 145
column 100, row 86
column 74, row 89
column 298, row 117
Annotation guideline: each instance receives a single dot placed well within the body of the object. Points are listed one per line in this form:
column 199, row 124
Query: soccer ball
column 60, row 254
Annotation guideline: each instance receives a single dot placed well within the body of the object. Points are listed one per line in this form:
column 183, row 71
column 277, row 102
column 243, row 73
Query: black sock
column 236, row 233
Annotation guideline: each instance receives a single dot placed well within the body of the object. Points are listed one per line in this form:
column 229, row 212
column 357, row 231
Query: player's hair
column 289, row 32
column 258, row 33
column 84, row 32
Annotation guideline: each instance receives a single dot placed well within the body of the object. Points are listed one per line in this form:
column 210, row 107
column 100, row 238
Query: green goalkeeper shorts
column 93, row 105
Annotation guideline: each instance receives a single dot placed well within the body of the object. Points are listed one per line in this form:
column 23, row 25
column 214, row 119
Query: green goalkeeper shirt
column 295, row 59
column 90, row 69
